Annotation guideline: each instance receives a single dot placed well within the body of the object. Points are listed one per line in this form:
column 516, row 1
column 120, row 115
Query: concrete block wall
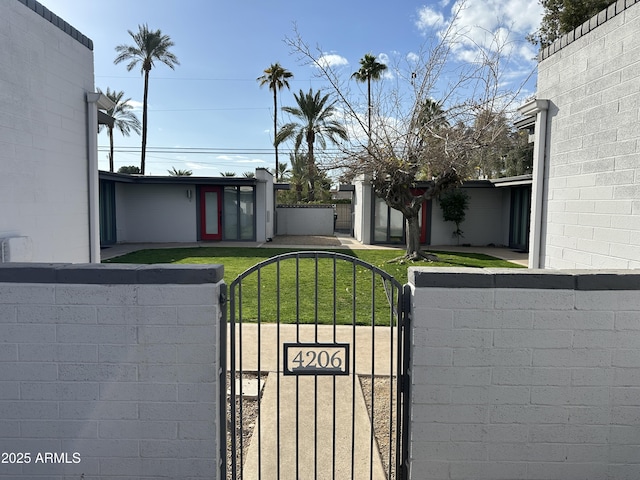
column 591, row 209
column 525, row 374
column 305, row 220
column 110, row 371
column 47, row 70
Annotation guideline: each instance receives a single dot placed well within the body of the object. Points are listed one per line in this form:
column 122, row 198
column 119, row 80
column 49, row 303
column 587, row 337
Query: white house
column 136, row 209
column 497, row 214
column 48, row 138
column 586, row 179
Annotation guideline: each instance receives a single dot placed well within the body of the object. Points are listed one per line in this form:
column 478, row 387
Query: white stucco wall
column 311, row 220
column 265, row 214
column 43, row 136
column 484, row 222
column 156, row 213
column 591, row 196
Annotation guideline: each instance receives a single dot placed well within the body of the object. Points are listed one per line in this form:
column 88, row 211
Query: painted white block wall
column 265, row 212
column 524, row 374
column 484, row 222
column 43, row 135
column 305, row 220
column 117, row 364
column 591, row 206
column 362, row 199
column 156, row 213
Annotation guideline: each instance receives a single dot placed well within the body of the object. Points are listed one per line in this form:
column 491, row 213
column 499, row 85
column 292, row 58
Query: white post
column 538, row 108
column 94, row 101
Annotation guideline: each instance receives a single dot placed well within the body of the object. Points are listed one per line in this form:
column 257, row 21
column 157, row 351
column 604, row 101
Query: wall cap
column 48, row 15
column 616, row 8
column 110, row 274
column 499, row 278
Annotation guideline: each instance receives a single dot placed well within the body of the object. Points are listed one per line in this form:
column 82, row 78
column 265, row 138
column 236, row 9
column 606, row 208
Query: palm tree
column 179, row 172
column 282, row 171
column 298, row 173
column 228, row 174
column 149, row 46
column 124, row 119
column 277, row 78
column 370, row 69
column 314, row 113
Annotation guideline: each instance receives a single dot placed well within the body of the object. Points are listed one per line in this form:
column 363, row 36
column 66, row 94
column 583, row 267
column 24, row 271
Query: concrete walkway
column 310, row 433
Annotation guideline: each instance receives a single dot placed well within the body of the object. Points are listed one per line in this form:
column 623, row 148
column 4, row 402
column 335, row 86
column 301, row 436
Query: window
column 107, row 195
column 239, row 213
column 388, row 223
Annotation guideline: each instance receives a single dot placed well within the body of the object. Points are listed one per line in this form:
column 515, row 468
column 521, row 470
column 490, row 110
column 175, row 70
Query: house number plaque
column 316, row 359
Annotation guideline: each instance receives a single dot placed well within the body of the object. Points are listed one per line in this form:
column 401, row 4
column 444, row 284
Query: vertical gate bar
column 297, row 377
column 399, row 387
column 404, row 389
column 394, row 309
column 240, row 398
column 335, row 339
column 315, row 377
column 277, row 369
column 354, row 321
column 316, row 294
column 259, row 318
column 373, row 370
column 222, row 381
column 232, row 381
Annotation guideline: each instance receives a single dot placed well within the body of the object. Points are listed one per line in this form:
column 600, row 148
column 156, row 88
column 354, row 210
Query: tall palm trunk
column 275, row 128
column 111, row 149
column 144, row 121
column 311, row 167
column 369, row 109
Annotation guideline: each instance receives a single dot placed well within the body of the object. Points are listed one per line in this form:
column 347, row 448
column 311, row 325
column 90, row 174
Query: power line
column 252, row 80
column 207, row 150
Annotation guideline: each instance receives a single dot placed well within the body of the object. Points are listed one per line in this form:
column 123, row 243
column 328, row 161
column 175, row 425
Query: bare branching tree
column 423, row 130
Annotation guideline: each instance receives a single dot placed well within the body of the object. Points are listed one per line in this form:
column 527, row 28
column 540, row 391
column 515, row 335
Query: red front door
column 210, row 213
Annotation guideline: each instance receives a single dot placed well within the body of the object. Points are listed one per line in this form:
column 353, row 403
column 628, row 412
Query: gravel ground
column 384, row 408
column 249, row 415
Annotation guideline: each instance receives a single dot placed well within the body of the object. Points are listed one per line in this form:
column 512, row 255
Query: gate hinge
column 223, row 298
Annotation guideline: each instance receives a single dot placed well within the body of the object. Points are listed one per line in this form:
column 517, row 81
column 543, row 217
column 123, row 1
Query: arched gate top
column 317, row 254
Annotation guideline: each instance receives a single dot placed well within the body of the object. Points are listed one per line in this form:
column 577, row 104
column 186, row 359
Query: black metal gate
column 317, row 370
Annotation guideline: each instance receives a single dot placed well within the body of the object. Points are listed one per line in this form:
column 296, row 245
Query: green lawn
column 238, row 259
column 277, row 284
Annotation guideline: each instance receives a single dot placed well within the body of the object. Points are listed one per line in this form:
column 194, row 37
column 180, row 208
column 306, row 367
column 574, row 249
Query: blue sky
column 212, row 102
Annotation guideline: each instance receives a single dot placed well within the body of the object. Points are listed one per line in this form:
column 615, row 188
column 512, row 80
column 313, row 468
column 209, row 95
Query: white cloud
column 487, row 27
column 200, row 166
column 329, row 60
column 388, row 72
column 413, row 57
column 485, row 23
column 429, row 18
column 226, row 158
column 252, row 160
column 136, row 105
